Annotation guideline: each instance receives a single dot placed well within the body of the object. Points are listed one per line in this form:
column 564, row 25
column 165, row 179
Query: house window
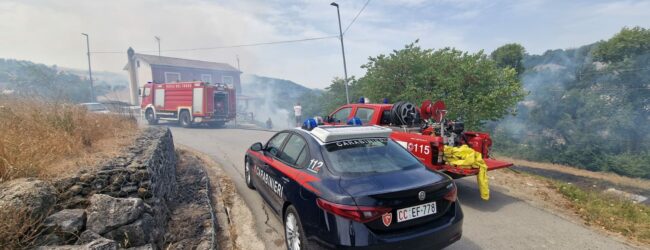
column 228, row 80
column 206, row 78
column 172, row 76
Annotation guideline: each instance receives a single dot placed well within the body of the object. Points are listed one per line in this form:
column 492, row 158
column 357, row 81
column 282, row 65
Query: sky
column 49, row 31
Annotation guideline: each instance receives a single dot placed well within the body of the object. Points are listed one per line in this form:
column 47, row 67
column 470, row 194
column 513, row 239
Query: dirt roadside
column 236, row 226
column 543, row 194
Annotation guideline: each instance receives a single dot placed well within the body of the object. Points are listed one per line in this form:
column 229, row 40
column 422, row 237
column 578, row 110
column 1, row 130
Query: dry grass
column 609, row 212
column 19, row 229
column 41, row 139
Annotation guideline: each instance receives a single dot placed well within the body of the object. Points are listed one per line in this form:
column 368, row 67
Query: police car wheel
column 247, row 174
column 293, row 233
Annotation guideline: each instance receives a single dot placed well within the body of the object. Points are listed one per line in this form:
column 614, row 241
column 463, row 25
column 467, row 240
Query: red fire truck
column 188, row 103
column 422, row 130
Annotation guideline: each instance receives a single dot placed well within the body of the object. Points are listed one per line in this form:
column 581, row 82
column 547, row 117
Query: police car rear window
column 365, row 156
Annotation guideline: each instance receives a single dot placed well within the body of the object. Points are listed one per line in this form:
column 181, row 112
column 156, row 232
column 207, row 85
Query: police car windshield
column 365, row 156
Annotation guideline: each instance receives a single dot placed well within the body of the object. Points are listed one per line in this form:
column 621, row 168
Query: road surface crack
column 266, row 222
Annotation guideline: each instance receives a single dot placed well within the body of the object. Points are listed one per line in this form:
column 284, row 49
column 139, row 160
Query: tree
column 510, row 55
column 334, row 95
column 473, row 86
column 627, row 43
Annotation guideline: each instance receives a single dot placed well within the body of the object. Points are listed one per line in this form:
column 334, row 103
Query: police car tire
column 248, row 178
column 304, row 245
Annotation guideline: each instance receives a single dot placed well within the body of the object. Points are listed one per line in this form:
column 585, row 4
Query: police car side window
column 273, row 146
column 302, row 157
column 292, row 150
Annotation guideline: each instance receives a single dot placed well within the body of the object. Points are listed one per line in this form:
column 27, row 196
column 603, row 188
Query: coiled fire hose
column 466, row 157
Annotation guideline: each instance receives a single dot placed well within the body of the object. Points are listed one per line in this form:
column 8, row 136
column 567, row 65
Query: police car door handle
column 285, row 179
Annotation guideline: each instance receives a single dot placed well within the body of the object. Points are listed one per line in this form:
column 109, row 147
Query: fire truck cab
column 188, row 103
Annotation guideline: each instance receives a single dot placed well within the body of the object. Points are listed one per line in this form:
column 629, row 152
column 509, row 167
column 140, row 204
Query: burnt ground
column 190, row 225
column 585, row 182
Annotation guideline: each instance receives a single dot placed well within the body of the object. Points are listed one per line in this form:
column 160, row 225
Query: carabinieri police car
column 352, row 186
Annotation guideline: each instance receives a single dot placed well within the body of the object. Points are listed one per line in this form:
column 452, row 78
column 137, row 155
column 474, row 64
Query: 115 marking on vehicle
column 419, row 148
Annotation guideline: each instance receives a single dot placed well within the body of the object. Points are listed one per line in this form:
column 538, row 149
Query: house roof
column 179, row 62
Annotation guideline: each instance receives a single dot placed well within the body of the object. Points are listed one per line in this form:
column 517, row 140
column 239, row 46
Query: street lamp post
column 90, row 71
column 345, row 67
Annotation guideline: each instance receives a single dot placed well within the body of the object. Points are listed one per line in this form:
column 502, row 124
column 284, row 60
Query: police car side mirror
column 257, row 147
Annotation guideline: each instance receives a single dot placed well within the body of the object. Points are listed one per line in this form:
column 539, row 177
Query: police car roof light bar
column 336, row 133
column 309, row 124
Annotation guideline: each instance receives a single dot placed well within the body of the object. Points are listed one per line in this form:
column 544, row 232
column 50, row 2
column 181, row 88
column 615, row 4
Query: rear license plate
column 414, row 212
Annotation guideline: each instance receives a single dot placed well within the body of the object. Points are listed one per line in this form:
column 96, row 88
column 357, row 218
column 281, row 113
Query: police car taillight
column 356, row 213
column 452, row 195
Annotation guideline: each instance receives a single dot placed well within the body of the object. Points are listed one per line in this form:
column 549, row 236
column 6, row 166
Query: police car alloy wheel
column 247, row 174
column 293, row 233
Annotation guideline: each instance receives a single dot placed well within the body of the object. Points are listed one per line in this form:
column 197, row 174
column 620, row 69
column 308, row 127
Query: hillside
column 587, row 107
column 26, row 78
column 107, row 77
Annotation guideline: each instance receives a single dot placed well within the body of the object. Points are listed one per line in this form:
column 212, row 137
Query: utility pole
column 345, row 67
column 90, row 71
column 158, row 39
column 238, row 63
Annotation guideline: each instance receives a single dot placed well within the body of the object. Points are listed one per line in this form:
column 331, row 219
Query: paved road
column 501, row 223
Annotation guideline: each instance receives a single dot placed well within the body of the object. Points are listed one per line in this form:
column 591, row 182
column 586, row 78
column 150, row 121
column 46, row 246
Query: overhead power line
column 225, row 46
column 355, row 17
column 246, row 44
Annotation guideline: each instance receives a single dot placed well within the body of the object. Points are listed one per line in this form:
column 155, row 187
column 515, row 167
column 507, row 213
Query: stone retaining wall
column 124, row 201
column 146, row 170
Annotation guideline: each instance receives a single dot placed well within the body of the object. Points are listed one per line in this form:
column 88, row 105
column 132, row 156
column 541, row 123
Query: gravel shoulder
column 236, row 228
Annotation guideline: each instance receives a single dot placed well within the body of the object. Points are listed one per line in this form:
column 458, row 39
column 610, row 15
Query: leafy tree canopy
column 474, row 87
column 627, row 43
column 510, row 55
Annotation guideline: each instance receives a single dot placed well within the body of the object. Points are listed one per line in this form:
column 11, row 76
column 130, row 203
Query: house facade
column 144, row 68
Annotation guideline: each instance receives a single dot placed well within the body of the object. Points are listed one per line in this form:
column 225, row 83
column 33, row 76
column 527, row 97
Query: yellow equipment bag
column 466, row 157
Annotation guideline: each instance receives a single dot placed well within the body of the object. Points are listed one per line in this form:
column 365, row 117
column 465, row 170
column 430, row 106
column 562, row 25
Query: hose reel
column 404, row 113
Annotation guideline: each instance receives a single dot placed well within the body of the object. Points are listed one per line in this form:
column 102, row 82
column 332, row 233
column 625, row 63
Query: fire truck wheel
column 185, row 119
column 150, row 118
column 217, row 124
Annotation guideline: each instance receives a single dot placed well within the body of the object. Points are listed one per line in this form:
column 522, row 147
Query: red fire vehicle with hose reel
column 423, row 130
